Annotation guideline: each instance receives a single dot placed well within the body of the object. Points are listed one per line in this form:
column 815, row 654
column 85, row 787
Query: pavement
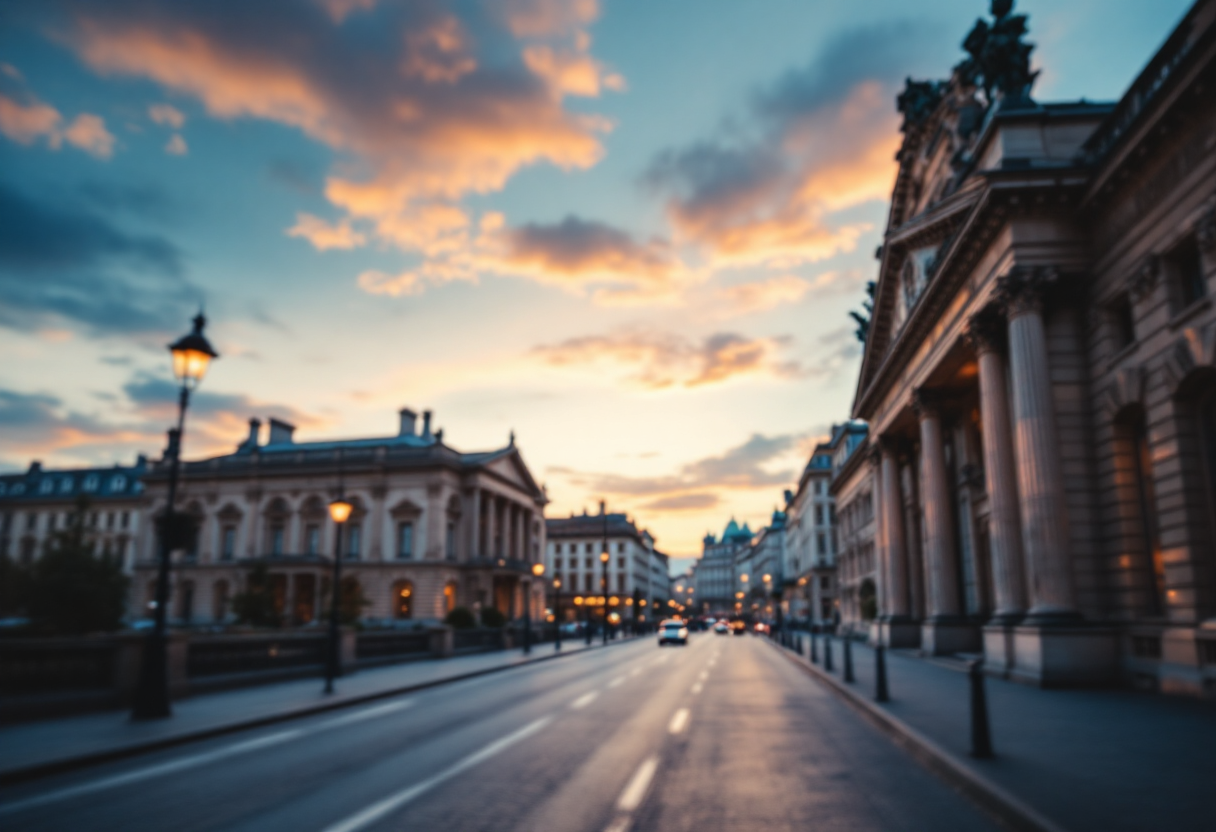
column 1100, row 760
column 33, row 749
column 725, row 733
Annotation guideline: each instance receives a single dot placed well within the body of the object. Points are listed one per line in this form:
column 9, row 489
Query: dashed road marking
column 696, row 689
column 635, row 791
column 584, row 700
column 616, row 682
column 679, row 721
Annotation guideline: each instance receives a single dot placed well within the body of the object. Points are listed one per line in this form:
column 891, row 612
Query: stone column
column 491, row 524
column 473, row 528
column 895, row 555
column 1039, row 475
column 939, row 530
column 986, row 333
column 435, row 517
column 377, row 519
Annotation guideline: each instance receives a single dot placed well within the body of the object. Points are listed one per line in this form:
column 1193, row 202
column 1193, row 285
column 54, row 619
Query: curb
column 1006, row 809
column 36, row 772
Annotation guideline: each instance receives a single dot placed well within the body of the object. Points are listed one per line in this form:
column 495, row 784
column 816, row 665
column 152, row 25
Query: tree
column 492, row 617
column 352, row 602
column 72, row 591
column 14, row 588
column 256, row 605
column 864, row 317
column 461, row 618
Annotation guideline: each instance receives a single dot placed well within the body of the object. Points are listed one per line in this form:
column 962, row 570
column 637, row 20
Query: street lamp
column 192, row 354
column 604, row 558
column 538, row 569
column 557, row 613
column 339, row 511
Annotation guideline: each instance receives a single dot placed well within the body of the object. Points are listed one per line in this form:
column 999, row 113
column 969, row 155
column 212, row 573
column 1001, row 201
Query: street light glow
column 340, row 510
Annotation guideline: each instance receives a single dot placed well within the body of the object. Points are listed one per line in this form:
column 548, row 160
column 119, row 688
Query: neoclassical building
column 1040, row 372
column 432, row 527
column 715, row 575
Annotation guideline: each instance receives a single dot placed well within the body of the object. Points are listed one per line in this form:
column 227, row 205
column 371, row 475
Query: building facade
column 637, row 573
column 1040, row 374
column 716, row 577
column 37, row 503
column 432, row 528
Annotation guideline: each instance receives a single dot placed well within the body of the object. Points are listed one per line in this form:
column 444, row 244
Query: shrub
column 256, row 605
column 491, row 617
column 461, row 618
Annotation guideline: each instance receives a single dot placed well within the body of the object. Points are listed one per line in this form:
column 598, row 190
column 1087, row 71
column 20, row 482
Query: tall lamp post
column 339, row 511
column 191, row 355
column 538, row 569
column 557, row 613
column 604, row 558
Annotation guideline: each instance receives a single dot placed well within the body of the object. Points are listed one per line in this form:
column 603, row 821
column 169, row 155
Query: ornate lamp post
column 557, row 613
column 192, row 354
column 604, row 558
column 339, row 511
column 538, row 569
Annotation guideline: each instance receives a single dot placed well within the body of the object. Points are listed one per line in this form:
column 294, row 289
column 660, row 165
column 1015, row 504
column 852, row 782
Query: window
column 620, row 582
column 228, row 543
column 589, row 561
column 1184, row 266
column 46, row 487
column 403, row 599
column 118, row 482
column 276, row 541
column 126, row 519
column 620, row 547
column 312, row 540
column 825, row 582
column 109, row 520
column 3, row 487
column 620, row 562
column 90, row 483
column 31, row 521
column 449, row 542
column 405, row 541
column 819, row 515
column 18, row 488
column 449, row 596
column 1123, row 322
column 353, row 535
column 822, row 543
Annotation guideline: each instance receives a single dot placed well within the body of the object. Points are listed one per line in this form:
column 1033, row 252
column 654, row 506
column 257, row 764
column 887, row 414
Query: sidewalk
column 1100, row 760
column 35, row 749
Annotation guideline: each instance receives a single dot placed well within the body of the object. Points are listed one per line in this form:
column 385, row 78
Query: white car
column 673, row 632
column 722, row 628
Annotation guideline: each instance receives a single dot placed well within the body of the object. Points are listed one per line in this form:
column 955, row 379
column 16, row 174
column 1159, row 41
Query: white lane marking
column 197, row 760
column 679, row 721
column 584, row 700
column 635, row 671
column 621, row 824
column 704, row 675
column 152, row 771
column 631, row 798
column 696, row 689
column 616, row 682
column 378, row 810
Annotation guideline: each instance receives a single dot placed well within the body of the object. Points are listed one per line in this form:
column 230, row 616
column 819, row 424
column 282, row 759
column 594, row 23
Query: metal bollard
column 798, row 644
column 848, row 659
column 814, row 648
column 827, row 653
column 981, row 737
column 880, row 674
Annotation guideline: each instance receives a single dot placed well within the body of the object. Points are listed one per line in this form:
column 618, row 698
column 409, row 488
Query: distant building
column 716, row 574
column 432, row 528
column 759, row 572
column 39, row 502
column 637, row 572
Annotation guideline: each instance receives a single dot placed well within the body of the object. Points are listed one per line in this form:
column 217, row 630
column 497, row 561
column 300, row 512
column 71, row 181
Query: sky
column 630, row 232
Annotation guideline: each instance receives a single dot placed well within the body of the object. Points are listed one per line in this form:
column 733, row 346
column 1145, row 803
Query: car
column 722, row 628
column 673, row 632
column 739, row 628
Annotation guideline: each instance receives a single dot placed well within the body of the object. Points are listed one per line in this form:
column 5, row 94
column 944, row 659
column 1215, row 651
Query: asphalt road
column 723, row 734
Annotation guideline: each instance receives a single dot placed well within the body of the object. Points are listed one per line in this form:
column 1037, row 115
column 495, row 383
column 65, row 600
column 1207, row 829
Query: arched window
column 449, row 596
column 403, row 599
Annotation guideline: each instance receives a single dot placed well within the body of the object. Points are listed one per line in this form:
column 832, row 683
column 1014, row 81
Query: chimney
column 280, row 432
column 603, row 509
column 35, row 467
column 426, row 424
column 409, row 422
column 255, row 426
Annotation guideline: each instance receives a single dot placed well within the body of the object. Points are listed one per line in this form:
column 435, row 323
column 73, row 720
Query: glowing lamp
column 578, row 600
column 538, row 569
column 768, row 578
column 340, row 510
column 557, row 583
column 191, row 355
column 603, row 557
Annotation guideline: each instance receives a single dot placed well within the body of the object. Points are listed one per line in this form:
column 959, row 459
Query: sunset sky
column 630, row 231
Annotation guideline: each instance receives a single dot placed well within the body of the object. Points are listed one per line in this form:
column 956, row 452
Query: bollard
column 798, row 645
column 814, row 648
column 848, row 659
column 827, row 653
column 880, row 674
column 981, row 738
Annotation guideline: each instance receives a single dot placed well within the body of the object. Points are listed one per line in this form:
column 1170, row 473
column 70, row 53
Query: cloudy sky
column 630, row 231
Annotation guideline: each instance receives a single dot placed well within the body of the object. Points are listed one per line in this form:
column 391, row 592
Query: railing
column 388, row 645
column 36, row 666
column 224, row 655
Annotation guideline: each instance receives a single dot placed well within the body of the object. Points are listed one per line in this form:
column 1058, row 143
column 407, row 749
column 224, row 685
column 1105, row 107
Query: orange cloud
column 323, row 235
column 166, row 115
column 657, row 361
column 26, row 123
column 89, row 133
column 542, row 18
column 758, row 296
